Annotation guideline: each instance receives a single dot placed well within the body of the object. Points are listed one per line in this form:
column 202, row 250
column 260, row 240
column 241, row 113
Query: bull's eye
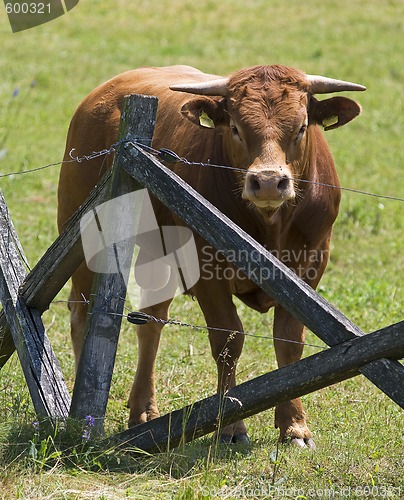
column 301, row 133
column 234, row 131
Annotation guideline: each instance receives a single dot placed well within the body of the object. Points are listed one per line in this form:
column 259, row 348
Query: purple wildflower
column 86, row 434
column 90, row 421
column 87, row 429
column 16, row 92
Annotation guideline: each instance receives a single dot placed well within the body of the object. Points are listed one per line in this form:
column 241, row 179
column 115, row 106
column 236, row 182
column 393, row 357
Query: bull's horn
column 212, row 87
column 324, row 85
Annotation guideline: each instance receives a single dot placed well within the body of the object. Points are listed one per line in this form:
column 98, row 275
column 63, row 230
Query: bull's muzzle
column 268, row 188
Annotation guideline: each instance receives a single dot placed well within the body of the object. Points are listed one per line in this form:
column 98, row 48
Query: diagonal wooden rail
column 302, row 377
column 329, row 324
column 54, row 269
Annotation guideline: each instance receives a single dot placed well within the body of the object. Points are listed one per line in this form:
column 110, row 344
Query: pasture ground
column 45, row 72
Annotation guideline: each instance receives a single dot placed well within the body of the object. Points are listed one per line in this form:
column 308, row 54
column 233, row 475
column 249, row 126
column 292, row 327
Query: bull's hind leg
column 226, row 347
column 78, row 305
column 142, row 399
column 290, row 417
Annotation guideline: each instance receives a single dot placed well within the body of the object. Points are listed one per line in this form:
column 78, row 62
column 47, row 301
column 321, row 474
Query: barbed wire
column 142, row 318
column 20, row 172
column 74, row 159
column 170, row 156
column 138, row 317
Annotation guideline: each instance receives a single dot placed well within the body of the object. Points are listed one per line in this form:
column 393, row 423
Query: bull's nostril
column 283, row 184
column 255, row 185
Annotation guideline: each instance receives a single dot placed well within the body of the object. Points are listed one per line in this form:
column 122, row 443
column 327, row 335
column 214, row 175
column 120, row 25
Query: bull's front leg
column 226, row 350
column 290, row 417
column 289, row 339
column 226, row 346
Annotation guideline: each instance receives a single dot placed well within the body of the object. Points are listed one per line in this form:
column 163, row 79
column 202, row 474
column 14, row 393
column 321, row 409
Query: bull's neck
column 305, row 163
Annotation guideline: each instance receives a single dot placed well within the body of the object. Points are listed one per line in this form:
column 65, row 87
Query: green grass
column 358, row 430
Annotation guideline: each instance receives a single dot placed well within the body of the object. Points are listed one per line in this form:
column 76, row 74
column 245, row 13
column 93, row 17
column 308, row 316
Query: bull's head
column 267, row 112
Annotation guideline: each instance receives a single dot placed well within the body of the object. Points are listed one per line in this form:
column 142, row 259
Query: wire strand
column 225, row 330
column 175, row 322
column 172, row 157
column 77, row 159
column 169, row 156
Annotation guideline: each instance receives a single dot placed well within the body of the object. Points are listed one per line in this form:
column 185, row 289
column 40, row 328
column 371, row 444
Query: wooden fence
column 26, row 296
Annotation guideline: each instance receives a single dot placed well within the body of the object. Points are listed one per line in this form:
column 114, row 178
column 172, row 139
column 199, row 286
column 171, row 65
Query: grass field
column 46, row 71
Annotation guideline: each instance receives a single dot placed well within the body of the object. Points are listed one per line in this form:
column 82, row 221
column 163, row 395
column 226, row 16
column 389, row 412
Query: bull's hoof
column 242, row 439
column 303, row 443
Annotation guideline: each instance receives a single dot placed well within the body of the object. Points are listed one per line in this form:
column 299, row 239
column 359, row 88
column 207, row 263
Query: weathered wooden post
column 94, row 373
column 39, row 363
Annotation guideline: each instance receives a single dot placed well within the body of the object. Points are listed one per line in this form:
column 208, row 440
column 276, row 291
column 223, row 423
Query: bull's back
column 95, row 125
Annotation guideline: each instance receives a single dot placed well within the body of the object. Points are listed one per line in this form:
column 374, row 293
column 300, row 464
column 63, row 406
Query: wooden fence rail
column 329, row 324
column 54, row 269
column 264, row 392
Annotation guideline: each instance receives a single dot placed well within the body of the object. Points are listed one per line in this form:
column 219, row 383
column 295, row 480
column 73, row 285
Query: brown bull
column 266, row 122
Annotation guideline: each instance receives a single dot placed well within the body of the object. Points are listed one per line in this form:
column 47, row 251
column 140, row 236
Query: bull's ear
column 334, row 112
column 205, row 112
